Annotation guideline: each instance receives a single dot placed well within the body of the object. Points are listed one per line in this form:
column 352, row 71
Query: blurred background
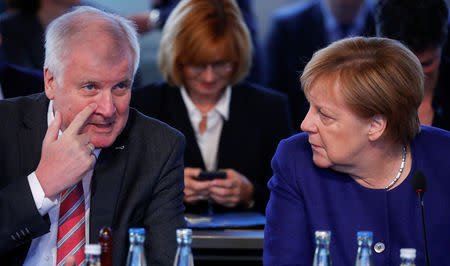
column 150, row 41
column 263, row 10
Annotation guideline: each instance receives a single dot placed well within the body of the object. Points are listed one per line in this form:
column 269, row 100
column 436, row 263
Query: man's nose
column 106, row 106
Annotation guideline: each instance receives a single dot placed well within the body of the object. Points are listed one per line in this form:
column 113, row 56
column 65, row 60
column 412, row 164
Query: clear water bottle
column 322, row 253
column 407, row 256
column 364, row 255
column 136, row 253
column 184, row 253
column 92, row 252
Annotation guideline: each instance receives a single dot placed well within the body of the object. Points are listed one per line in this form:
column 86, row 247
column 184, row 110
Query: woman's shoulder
column 150, row 97
column 152, row 88
column 433, row 136
column 431, row 145
column 294, row 151
column 258, row 93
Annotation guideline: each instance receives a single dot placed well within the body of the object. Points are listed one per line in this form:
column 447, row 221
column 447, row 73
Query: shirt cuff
column 43, row 204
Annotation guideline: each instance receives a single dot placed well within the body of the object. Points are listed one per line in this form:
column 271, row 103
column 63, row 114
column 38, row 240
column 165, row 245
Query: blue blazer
column 296, row 32
column 305, row 198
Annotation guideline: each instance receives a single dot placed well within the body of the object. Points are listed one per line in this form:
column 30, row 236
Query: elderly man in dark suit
column 78, row 158
column 298, row 30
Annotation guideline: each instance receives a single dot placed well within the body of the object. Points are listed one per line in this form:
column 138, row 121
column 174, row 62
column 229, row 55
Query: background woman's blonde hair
column 377, row 76
column 197, row 30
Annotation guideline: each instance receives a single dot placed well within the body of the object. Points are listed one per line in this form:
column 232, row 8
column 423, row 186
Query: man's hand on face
column 66, row 159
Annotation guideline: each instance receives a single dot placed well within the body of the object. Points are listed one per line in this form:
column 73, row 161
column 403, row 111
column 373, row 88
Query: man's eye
column 121, row 86
column 89, row 87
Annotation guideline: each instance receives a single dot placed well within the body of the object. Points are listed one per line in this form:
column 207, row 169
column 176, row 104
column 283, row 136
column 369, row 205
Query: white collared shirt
column 208, row 142
column 43, row 249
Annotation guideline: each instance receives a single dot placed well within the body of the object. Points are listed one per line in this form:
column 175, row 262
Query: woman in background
column 229, row 125
column 352, row 168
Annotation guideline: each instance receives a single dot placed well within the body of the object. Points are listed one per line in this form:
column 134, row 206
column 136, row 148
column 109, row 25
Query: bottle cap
column 136, row 235
column 364, row 234
column 184, row 235
column 137, row 231
column 408, row 253
column 323, row 234
column 92, row 249
column 105, row 233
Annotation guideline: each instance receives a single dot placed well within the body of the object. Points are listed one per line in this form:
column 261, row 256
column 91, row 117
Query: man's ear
column 50, row 84
column 378, row 125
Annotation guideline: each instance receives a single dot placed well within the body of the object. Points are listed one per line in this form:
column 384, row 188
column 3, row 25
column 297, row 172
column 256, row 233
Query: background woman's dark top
column 258, row 120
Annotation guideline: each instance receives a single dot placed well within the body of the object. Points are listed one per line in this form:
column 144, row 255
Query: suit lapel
column 30, row 139
column 179, row 119
column 109, row 174
column 232, row 129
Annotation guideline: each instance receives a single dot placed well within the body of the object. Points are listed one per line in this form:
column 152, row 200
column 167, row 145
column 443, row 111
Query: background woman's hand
column 194, row 190
column 235, row 189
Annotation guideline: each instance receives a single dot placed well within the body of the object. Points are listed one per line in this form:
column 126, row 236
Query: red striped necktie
column 71, row 225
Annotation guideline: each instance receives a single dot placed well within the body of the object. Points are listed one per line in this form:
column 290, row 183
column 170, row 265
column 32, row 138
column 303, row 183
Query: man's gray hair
column 62, row 31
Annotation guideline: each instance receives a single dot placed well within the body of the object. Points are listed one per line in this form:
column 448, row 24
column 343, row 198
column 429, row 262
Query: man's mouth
column 105, row 125
column 102, row 125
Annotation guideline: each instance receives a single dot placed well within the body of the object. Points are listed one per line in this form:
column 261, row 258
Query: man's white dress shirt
column 43, row 249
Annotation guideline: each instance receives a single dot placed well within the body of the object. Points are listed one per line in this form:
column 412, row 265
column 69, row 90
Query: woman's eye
column 324, row 116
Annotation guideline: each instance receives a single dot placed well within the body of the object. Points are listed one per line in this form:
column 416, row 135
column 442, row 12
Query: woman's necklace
column 400, row 171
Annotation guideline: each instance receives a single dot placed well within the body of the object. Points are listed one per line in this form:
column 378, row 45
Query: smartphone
column 210, row 175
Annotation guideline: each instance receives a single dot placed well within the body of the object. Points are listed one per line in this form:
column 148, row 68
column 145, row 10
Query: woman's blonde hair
column 198, row 30
column 377, row 76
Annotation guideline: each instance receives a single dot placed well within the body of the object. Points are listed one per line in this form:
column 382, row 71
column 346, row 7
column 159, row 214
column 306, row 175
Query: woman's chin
column 321, row 162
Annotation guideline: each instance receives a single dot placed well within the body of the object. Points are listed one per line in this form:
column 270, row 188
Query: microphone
column 419, row 184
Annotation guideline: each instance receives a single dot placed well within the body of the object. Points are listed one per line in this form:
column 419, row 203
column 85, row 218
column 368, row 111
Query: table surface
column 228, row 239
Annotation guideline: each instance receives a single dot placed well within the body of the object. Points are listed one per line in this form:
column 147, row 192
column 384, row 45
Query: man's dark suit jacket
column 137, row 182
column 19, row 81
column 258, row 120
column 296, row 32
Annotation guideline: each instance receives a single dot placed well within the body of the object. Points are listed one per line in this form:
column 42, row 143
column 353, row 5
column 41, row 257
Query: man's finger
column 70, row 261
column 91, row 147
column 53, row 129
column 80, row 119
